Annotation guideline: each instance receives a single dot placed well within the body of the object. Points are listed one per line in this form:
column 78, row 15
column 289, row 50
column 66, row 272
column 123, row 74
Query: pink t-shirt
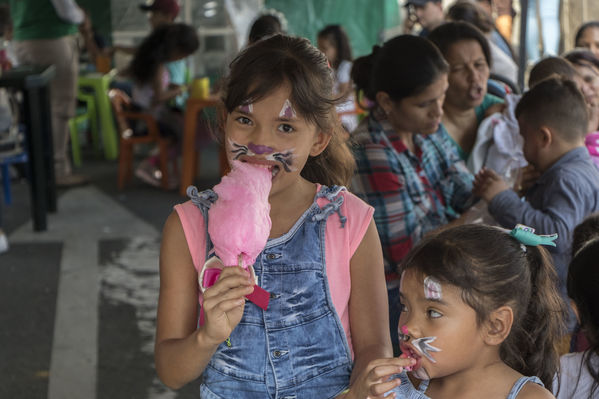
column 340, row 245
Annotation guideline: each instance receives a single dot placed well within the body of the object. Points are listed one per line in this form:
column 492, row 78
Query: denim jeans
column 298, row 347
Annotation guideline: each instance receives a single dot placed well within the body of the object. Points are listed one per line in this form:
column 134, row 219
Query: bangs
column 259, row 70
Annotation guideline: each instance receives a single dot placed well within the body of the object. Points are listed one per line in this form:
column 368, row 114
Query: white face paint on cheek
column 287, row 111
column 423, row 345
column 432, row 288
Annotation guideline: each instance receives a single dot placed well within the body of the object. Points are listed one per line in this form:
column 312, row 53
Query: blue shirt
column 177, row 71
column 561, row 198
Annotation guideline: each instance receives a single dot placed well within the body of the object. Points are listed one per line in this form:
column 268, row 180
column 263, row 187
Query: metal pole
column 522, row 49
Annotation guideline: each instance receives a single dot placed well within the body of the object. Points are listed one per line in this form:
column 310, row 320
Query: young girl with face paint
column 481, row 316
column 322, row 263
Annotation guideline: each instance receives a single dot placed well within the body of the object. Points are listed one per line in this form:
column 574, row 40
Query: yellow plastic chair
column 90, row 118
column 100, row 84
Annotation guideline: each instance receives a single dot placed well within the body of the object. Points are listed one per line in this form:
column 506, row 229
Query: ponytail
column 505, row 273
column 532, row 346
column 361, row 74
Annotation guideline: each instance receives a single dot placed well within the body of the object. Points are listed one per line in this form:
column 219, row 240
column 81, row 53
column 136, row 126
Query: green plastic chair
column 100, row 84
column 84, row 115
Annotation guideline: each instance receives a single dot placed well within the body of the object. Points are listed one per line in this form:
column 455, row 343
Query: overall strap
column 203, row 200
column 520, row 384
column 333, row 195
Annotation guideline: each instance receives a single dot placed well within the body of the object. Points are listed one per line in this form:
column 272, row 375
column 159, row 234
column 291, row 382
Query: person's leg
column 549, row 14
column 63, row 54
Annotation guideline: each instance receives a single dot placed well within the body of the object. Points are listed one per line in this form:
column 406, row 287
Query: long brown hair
column 583, row 288
column 278, row 60
column 493, row 269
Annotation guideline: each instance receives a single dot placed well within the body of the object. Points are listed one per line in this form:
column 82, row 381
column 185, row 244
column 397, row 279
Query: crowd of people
column 434, row 233
column 476, row 207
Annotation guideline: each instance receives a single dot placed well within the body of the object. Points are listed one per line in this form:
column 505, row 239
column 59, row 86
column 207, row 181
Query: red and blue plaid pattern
column 412, row 193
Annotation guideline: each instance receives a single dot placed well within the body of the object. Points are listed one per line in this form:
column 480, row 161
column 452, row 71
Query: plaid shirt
column 412, row 194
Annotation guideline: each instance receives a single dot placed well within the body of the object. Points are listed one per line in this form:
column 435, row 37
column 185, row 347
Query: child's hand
column 224, row 303
column 374, row 381
column 487, row 184
column 527, row 177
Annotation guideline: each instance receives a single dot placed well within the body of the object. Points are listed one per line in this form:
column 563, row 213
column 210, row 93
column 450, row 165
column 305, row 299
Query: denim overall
column 297, row 348
column 407, row 391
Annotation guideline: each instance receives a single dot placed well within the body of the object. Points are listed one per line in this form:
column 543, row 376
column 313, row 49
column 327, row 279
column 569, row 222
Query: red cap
column 170, row 7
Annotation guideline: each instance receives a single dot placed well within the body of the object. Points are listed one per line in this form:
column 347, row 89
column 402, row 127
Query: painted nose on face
column 260, row 149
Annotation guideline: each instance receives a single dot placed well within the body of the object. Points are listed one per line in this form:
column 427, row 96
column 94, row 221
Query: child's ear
column 545, row 136
column 498, row 325
column 320, row 143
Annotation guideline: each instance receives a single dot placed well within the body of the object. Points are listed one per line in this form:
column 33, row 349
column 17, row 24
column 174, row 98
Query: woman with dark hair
column 334, row 43
column 587, row 66
column 587, row 36
column 415, row 180
column 467, row 102
column 501, row 53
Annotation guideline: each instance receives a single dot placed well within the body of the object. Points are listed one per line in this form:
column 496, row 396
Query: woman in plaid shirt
column 407, row 167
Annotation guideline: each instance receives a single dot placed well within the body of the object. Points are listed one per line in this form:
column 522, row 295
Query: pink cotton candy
column 239, row 221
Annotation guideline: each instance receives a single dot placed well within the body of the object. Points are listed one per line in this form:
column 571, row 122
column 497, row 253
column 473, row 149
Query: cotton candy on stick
column 239, row 221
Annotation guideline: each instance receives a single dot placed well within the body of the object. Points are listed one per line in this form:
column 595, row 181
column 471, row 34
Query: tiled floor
column 77, row 302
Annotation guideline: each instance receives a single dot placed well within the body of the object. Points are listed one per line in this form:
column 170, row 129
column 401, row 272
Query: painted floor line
column 85, row 217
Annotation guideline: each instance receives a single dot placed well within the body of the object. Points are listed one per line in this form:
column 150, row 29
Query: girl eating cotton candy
column 481, row 316
column 282, row 225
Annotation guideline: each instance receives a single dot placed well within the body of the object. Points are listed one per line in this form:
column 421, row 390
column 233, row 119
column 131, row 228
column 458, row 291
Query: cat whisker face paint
column 284, row 158
column 423, row 346
column 238, row 149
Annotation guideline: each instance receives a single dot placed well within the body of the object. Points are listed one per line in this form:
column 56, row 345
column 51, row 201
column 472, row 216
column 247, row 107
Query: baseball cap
column 419, row 3
column 170, row 7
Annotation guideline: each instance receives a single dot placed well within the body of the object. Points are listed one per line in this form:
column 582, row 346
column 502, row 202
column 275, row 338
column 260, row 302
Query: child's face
column 328, row 48
column 589, row 82
column 532, row 143
column 590, row 39
column 437, row 313
column 271, row 132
